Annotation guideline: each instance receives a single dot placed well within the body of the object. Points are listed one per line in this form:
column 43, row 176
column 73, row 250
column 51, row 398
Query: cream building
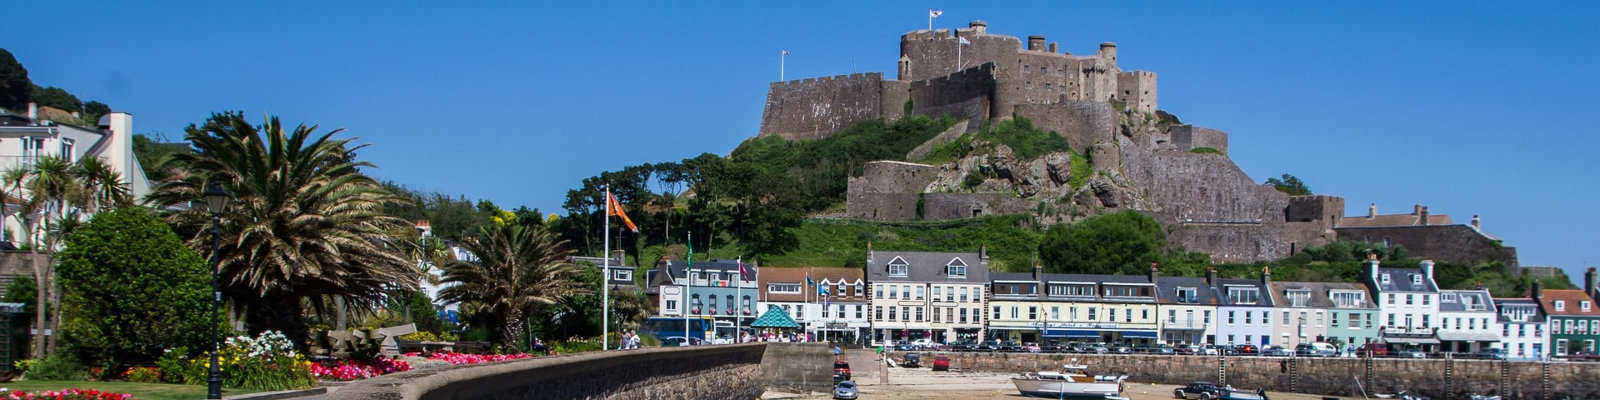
column 927, row 295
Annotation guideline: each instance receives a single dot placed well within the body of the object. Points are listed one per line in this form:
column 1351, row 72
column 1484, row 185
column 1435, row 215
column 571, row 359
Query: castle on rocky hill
column 1141, row 160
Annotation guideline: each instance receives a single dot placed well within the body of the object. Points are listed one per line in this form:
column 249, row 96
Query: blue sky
column 1482, row 108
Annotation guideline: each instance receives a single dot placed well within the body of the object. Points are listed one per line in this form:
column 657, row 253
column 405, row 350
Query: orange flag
column 613, row 207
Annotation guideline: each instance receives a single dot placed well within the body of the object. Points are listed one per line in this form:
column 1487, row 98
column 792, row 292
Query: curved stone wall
column 705, row 372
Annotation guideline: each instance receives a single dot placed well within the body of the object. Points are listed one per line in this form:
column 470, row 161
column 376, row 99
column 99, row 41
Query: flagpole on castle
column 783, row 56
column 605, row 279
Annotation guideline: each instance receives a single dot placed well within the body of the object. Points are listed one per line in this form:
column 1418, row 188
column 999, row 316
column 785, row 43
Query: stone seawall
column 705, row 372
column 1324, row 376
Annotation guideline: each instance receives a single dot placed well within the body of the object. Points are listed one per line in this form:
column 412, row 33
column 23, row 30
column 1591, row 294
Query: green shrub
column 143, row 375
column 57, row 367
column 263, row 363
column 972, row 180
column 173, row 365
column 1082, row 170
column 1024, row 139
column 131, row 289
column 1205, row 150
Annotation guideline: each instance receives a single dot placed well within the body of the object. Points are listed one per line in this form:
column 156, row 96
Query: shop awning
column 1468, row 337
column 1139, row 334
column 1411, row 340
column 775, row 318
column 1073, row 333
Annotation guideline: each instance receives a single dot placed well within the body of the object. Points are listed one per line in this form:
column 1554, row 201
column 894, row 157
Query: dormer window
column 622, row 275
column 1561, row 305
column 1584, row 305
column 1448, row 297
column 1416, row 279
column 1385, row 279
column 1299, row 298
column 1186, row 295
column 898, row 267
column 956, row 269
column 1242, row 295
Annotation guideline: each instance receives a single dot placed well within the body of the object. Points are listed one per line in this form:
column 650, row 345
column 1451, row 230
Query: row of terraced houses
column 946, row 297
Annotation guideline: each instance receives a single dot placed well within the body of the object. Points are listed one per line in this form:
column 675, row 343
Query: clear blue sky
column 1471, row 108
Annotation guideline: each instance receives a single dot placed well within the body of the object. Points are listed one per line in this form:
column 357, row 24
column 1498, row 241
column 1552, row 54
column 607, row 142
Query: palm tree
column 305, row 223
column 517, row 269
column 11, row 182
column 53, row 183
column 102, row 186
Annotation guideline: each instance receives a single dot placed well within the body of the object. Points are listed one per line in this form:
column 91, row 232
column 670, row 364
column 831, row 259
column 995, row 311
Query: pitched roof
column 1263, row 296
column 1385, row 220
column 1572, row 298
column 782, row 275
column 1400, row 280
column 1464, row 297
column 1319, row 293
column 1506, row 306
column 1167, row 290
column 926, row 266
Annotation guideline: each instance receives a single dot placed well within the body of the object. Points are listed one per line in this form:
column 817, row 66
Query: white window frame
column 898, row 267
column 1561, row 305
column 956, row 265
column 783, row 288
column 621, row 274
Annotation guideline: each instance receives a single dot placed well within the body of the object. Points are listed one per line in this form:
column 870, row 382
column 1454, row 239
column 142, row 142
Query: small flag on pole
column 613, row 207
column 786, row 52
column 964, row 41
column 935, row 13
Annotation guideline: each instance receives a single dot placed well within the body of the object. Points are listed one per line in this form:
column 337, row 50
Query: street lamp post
column 216, row 199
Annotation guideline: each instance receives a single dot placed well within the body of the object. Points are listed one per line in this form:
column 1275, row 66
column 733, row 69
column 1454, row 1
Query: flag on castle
column 614, row 208
column 935, row 13
column 964, row 41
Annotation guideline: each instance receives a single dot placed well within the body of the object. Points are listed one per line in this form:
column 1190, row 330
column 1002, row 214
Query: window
column 877, row 291
column 1299, row 298
column 1416, row 280
column 785, row 288
column 66, row 150
column 1285, row 318
column 1091, row 313
column 1266, row 318
column 1584, row 305
column 1243, row 295
column 1247, row 317
column 1426, row 299
column 894, row 291
column 1333, row 320
column 1561, row 305
column 1072, row 313
column 1208, row 317
column 938, row 292
column 1391, row 320
column 672, row 305
column 1144, row 314
column 1111, row 314
column 1391, row 298
column 1505, row 331
column 1186, row 295
column 1447, row 297
column 1055, row 312
column 996, row 313
column 1410, row 299
column 950, row 294
column 975, row 316
column 905, row 313
column 893, row 312
column 877, row 313
column 1127, row 315
column 1347, row 298
column 825, row 311
column 899, row 267
column 1385, row 279
column 1230, row 321
column 956, row 269
column 963, row 296
column 622, row 275
column 695, row 276
column 977, row 296
column 963, row 313
column 919, row 293
column 1172, row 316
column 1013, row 312
column 1127, row 291
column 694, row 303
column 919, row 314
column 1033, row 313
column 858, row 311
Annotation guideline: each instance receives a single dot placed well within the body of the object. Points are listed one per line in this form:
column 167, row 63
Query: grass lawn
column 142, row 391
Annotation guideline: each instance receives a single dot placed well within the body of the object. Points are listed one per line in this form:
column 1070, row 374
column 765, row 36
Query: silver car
column 845, row 390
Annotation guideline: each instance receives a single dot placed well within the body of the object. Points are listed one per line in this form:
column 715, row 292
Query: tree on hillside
column 15, row 88
column 153, row 153
column 130, row 289
column 1123, row 242
column 517, row 270
column 93, row 110
column 1290, row 185
column 56, row 97
column 305, row 225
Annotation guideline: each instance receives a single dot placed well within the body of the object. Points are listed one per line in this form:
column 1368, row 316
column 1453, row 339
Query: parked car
column 922, row 344
column 1317, row 349
column 941, row 362
column 1122, row 349
column 1031, row 348
column 1010, row 346
column 905, row 346
column 1374, row 349
column 1199, row 390
column 1276, row 351
column 845, row 390
column 1216, row 350
column 675, row 341
column 1163, row 350
column 1411, row 353
column 1187, row 349
column 1097, row 348
column 841, row 369
column 1491, row 353
column 965, row 345
column 1246, row 349
column 911, row 360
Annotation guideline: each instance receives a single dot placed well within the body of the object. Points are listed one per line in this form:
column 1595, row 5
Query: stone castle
column 1141, row 159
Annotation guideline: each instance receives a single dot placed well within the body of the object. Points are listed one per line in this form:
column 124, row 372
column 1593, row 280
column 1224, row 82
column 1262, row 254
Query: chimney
column 1427, row 269
column 983, row 253
column 1423, row 218
column 1036, row 42
column 1155, row 272
column 1372, row 210
column 1038, row 271
column 1372, row 267
column 1108, row 50
column 1536, row 290
column 1211, row 276
column 33, row 110
column 1053, row 47
column 1416, row 209
column 1589, row 281
column 1266, row 275
column 978, row 26
column 1476, row 223
column 869, row 255
column 619, row 257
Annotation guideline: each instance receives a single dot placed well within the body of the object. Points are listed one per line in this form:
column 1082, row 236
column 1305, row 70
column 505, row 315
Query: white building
column 927, row 295
column 24, row 139
column 1523, row 332
column 1244, row 310
column 830, row 304
column 1408, row 303
column 1467, row 321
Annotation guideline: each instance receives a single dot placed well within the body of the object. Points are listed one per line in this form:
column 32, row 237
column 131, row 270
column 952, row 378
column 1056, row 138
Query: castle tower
column 978, row 26
column 905, row 68
column 1108, row 51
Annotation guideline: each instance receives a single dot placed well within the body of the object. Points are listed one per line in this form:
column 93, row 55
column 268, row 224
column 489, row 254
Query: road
column 923, row 383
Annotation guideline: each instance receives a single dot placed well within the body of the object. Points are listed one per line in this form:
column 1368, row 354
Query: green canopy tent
column 775, row 318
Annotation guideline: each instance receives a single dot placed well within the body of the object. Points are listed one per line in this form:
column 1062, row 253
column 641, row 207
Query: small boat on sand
column 1072, row 382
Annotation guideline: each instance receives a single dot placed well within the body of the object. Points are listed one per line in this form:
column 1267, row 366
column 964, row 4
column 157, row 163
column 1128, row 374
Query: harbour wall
column 728, row 372
column 1439, row 379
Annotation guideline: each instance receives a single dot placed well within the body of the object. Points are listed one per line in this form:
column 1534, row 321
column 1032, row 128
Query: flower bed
column 347, row 370
column 65, row 394
column 464, row 359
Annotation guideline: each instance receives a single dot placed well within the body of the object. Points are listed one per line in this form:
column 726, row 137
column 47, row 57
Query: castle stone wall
column 1241, row 242
column 1319, row 208
column 1203, row 188
column 814, row 108
column 888, row 190
column 1190, row 137
column 894, row 95
column 963, row 95
column 1138, row 89
column 1453, row 243
column 945, row 206
column 1083, row 123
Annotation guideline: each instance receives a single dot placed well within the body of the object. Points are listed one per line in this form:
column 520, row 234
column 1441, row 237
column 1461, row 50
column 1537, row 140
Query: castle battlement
column 987, row 80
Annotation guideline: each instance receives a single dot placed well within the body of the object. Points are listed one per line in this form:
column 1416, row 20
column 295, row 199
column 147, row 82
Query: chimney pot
column 1536, row 290
column 1211, row 276
column 1589, row 282
column 1422, row 218
column 1036, row 42
column 33, row 110
column 1416, row 209
column 1476, row 223
column 1372, row 210
column 1053, row 47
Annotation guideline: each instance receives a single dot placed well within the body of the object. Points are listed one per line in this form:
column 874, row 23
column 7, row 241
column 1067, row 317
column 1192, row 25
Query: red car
column 1377, row 349
column 1247, row 349
column 841, row 369
column 941, row 363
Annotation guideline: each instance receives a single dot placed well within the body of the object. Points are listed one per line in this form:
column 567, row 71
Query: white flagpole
column 605, row 280
column 688, row 261
column 738, row 308
column 930, row 20
column 783, row 56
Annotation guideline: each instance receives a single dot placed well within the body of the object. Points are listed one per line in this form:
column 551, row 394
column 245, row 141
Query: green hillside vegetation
column 1019, row 134
column 1205, row 150
column 820, row 167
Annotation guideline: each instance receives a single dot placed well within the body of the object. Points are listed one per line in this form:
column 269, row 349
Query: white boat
column 1070, row 383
